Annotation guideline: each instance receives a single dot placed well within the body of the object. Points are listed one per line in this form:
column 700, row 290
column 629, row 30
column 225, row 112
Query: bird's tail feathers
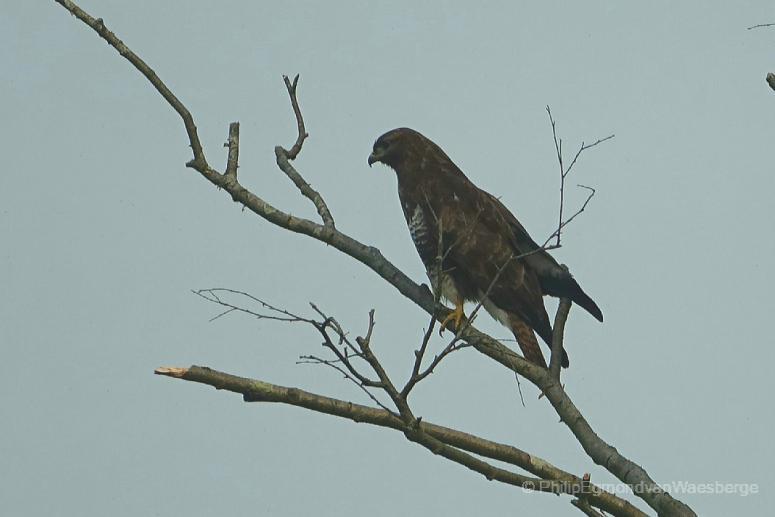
column 527, row 342
column 583, row 300
column 569, row 288
column 529, row 345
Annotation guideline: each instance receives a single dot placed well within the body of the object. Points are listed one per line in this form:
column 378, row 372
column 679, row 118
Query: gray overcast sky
column 104, row 233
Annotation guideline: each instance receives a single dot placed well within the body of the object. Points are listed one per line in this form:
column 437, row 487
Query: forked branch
column 291, row 87
column 564, row 172
column 412, row 427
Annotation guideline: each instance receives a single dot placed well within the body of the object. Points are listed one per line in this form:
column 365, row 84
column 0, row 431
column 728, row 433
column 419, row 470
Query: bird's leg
column 456, row 315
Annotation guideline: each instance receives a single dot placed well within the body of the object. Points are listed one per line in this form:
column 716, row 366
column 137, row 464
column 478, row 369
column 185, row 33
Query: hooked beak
column 374, row 157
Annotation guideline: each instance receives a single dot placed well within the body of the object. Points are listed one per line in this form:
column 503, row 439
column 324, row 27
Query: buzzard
column 472, row 247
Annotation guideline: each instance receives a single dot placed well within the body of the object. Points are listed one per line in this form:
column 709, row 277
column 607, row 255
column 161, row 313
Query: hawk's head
column 392, row 147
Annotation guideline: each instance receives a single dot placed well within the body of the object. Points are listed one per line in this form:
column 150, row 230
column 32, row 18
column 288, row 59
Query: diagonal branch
column 597, row 449
column 283, row 161
column 549, row 478
column 98, row 25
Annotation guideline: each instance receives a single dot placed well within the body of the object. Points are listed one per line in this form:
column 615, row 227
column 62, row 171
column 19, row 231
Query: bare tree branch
column 199, row 161
column 291, row 87
column 597, row 449
column 558, row 332
column 416, row 376
column 412, row 429
column 453, row 346
column 586, row 508
column 233, row 146
column 311, row 359
column 304, row 187
column 564, row 172
column 345, row 359
column 285, row 157
column 583, row 148
column 549, row 478
column 214, row 295
column 387, row 385
column 349, row 371
column 562, row 225
column 760, row 25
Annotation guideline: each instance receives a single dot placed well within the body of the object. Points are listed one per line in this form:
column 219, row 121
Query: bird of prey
column 472, row 247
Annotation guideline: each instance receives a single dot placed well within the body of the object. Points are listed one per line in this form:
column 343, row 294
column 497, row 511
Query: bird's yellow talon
column 455, row 316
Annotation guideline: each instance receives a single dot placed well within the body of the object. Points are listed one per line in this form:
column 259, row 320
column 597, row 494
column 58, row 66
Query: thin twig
column 583, row 148
column 519, row 389
column 345, row 359
column 311, row 359
column 557, row 234
column 386, row 384
column 558, row 150
column 760, row 25
column 571, row 218
column 212, row 295
column 415, row 376
column 334, row 324
column 453, row 346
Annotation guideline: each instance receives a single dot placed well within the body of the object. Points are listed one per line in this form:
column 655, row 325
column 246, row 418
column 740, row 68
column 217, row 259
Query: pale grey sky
column 104, row 233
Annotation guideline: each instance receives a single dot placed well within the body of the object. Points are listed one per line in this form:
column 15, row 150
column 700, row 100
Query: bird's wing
column 481, row 245
column 555, row 280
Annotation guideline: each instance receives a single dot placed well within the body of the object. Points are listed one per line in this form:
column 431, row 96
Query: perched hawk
column 479, row 240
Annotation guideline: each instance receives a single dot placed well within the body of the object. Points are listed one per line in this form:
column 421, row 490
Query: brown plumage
column 479, row 240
